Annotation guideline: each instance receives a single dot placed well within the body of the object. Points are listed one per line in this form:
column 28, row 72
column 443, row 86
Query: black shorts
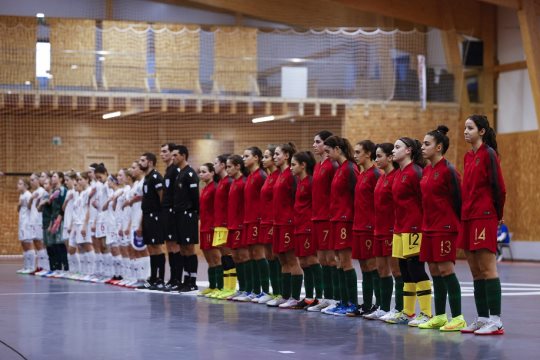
column 187, row 228
column 168, row 221
column 152, row 229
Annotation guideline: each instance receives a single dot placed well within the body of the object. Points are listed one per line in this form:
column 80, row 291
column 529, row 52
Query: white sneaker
column 20, row 271
column 244, row 297
column 492, row 327
column 278, row 300
column 475, row 325
column 289, row 304
column 235, row 294
column 265, row 298
column 419, row 319
column 376, row 315
column 329, row 309
column 323, row 303
column 27, row 271
column 389, row 315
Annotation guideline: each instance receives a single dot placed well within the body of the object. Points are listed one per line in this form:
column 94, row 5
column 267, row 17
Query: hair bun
column 442, row 129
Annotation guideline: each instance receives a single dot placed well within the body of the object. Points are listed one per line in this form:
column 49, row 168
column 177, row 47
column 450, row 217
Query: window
column 43, row 60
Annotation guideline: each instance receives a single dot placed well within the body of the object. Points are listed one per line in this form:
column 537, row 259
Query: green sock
column 264, row 275
column 480, row 298
column 286, row 285
column 439, row 289
column 387, row 285
column 218, row 271
column 274, row 276
column 493, row 292
column 454, row 294
column 256, row 277
column 336, row 283
column 316, row 270
column 296, row 286
column 343, row 292
column 398, row 284
column 248, row 273
column 328, row 287
column 367, row 289
column 376, row 286
column 212, row 277
column 241, row 274
column 308, row 282
column 352, row 286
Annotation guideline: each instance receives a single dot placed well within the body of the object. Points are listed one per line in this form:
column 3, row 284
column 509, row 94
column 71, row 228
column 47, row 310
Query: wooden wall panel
column 125, row 46
column 235, row 64
column 177, row 57
column 73, row 52
column 18, row 50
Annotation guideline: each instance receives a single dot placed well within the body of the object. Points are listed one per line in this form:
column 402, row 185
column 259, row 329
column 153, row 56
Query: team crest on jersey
column 477, row 161
column 323, row 170
column 364, row 180
column 403, row 178
column 302, row 188
column 436, row 175
column 385, row 183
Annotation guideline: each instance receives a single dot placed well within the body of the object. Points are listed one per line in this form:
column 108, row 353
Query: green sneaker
column 435, row 322
column 205, row 292
column 456, row 324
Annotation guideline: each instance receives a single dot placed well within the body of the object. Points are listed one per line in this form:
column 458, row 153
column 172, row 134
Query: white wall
column 514, row 97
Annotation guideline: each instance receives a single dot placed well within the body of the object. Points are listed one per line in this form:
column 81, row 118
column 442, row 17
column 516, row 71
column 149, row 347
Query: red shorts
column 266, row 234
column 283, row 239
column 252, row 233
column 438, row 247
column 478, row 234
column 305, row 245
column 206, row 240
column 235, row 239
column 342, row 235
column 322, row 235
column 363, row 245
column 383, row 245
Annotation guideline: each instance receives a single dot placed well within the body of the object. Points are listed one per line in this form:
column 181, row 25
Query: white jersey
column 123, row 214
column 136, row 211
column 68, row 211
column 80, row 207
column 101, row 197
column 24, row 212
column 36, row 218
column 113, row 215
column 93, row 188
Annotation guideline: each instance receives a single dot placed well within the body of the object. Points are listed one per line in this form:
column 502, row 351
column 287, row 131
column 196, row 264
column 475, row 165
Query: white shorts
column 112, row 235
column 101, row 229
column 25, row 233
column 36, row 231
column 79, row 239
column 72, row 241
column 65, row 234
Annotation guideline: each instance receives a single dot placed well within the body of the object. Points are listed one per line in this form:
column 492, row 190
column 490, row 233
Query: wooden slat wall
column 235, row 51
column 17, row 49
column 73, row 57
column 177, row 57
column 125, row 66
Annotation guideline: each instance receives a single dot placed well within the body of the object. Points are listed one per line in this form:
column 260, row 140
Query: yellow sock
column 423, row 292
column 409, row 298
column 229, row 279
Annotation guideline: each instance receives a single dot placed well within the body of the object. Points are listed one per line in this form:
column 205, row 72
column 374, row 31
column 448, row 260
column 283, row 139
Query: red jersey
column 252, row 196
column 407, row 199
column 384, row 205
column 267, row 195
column 441, row 197
column 235, row 207
column 342, row 192
column 484, row 192
column 206, row 207
column 364, row 200
column 322, row 181
column 302, row 206
column 221, row 200
column 283, row 201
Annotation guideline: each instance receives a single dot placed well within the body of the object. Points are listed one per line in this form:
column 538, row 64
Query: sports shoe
column 400, row 318
column 419, row 319
column 475, row 325
column 262, row 298
column 435, row 322
column 389, row 315
column 342, row 311
column 146, row 285
column 245, row 297
column 278, row 300
column 36, row 271
column 234, row 294
column 205, row 292
column 375, row 315
column 456, row 324
column 224, row 294
column 361, row 311
column 302, row 304
column 323, row 303
column 492, row 327
column 329, row 310
column 314, row 302
column 27, row 271
column 158, row 285
column 289, row 304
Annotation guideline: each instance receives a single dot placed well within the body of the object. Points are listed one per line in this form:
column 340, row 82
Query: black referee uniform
column 186, row 209
column 168, row 222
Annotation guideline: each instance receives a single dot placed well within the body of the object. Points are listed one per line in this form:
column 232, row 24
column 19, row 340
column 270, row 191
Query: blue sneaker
column 332, row 309
column 345, row 309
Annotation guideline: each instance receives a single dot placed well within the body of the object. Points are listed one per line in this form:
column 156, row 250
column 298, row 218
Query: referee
column 186, row 210
column 151, row 224
column 168, row 220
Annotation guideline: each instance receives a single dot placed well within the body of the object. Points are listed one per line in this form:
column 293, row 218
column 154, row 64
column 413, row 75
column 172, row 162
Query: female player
column 441, row 202
column 36, row 225
column 484, row 194
column 80, row 227
column 56, row 199
column 342, row 214
column 122, row 214
column 74, row 260
column 387, row 266
column 302, row 165
column 25, row 237
column 284, row 244
column 212, row 255
column 112, row 220
column 407, row 232
column 364, row 225
column 322, row 234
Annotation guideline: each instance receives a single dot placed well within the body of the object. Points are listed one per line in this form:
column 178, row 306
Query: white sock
column 70, row 262
column 139, row 269
column 126, row 262
column 91, row 262
column 76, row 263
column 25, row 260
column 145, row 266
column 43, row 259
column 118, row 265
column 110, row 264
column 83, row 265
column 98, row 268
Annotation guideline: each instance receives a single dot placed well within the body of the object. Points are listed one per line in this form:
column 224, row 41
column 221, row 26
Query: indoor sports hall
column 92, row 84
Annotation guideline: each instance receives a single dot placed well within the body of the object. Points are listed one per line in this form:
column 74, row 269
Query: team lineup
column 271, row 221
